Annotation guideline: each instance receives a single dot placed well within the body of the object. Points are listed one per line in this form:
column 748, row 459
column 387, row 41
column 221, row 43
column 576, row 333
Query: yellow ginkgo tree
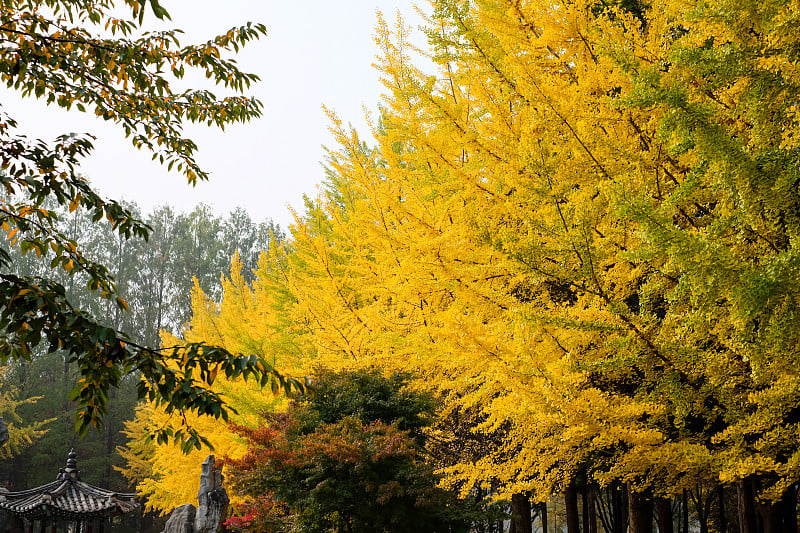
column 582, row 224
column 580, row 231
column 245, row 321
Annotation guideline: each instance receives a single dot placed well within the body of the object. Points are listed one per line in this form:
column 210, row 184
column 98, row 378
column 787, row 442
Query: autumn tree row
column 580, row 233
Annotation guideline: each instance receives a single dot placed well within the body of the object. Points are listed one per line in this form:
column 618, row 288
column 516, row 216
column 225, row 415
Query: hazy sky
column 316, row 53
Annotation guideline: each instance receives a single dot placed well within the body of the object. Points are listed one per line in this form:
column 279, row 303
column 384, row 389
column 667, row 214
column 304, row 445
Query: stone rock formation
column 213, row 501
column 181, row 520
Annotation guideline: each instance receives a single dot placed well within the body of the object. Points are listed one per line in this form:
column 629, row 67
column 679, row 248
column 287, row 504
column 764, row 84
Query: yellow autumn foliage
column 581, row 228
column 242, row 322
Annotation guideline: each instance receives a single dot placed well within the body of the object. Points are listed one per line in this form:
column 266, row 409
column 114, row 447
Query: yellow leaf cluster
column 570, row 228
column 581, row 229
column 242, row 323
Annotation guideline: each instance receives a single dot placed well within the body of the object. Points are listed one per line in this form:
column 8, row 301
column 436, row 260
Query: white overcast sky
column 316, row 53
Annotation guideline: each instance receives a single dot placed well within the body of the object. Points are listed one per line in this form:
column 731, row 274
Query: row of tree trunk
column 622, row 509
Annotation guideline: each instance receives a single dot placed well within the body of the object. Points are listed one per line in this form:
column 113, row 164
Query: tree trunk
column 746, row 506
column 585, row 509
column 771, row 516
column 620, row 510
column 685, row 511
column 664, row 515
column 774, row 514
column 722, row 521
column 790, row 510
column 589, row 510
column 702, row 512
column 640, row 505
column 571, row 506
column 543, row 515
column 521, row 511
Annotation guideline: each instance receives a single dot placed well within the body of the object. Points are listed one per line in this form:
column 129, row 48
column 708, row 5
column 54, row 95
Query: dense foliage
column 349, row 457
column 580, row 233
column 583, row 227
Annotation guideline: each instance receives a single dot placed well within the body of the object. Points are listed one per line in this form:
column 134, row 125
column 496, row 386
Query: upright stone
column 212, row 499
column 181, row 520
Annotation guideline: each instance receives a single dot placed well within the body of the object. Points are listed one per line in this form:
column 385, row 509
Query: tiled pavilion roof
column 67, row 498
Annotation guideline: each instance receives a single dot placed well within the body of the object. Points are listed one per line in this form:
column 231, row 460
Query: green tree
column 250, row 238
column 49, row 378
column 348, row 457
column 83, row 55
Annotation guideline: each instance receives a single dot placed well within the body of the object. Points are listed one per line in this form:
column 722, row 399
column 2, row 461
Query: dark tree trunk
column 640, row 505
column 685, row 511
column 771, row 516
column 589, row 511
column 664, row 515
column 620, row 510
column 571, row 505
column 521, row 511
column 543, row 515
column 702, row 509
column 585, row 509
column 780, row 516
column 722, row 521
column 790, row 510
column 746, row 506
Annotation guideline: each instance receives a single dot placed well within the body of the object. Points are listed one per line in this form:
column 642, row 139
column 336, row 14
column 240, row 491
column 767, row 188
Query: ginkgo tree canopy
column 98, row 57
column 582, row 226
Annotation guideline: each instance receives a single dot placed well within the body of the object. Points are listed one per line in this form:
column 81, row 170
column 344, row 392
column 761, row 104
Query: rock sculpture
column 213, row 501
column 181, row 520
